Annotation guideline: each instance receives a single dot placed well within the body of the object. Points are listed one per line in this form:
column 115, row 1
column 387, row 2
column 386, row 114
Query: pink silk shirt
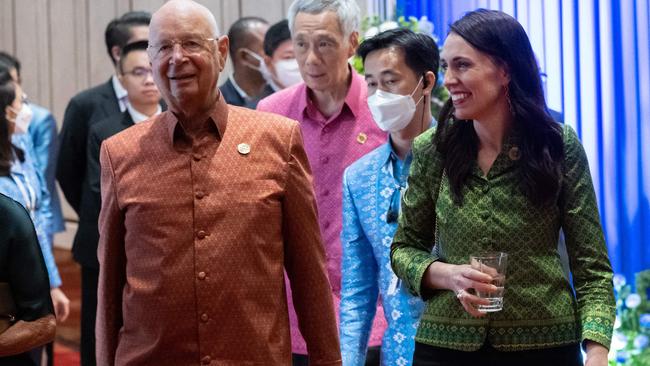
column 195, row 236
column 332, row 144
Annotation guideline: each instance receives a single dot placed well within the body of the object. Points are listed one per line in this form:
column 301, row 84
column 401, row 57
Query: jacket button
column 204, row 317
column 201, row 234
column 202, row 275
column 199, row 195
column 196, row 156
column 206, row 360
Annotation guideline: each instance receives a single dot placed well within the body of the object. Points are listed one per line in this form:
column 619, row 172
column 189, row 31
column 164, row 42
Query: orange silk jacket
column 194, row 240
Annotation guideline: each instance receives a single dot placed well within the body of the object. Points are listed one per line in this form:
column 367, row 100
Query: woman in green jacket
column 499, row 175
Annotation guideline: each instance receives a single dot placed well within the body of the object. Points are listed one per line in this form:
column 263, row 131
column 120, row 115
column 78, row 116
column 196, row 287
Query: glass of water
column 494, row 264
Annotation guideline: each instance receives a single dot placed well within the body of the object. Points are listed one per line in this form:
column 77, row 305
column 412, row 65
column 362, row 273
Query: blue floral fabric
column 371, row 195
column 41, row 214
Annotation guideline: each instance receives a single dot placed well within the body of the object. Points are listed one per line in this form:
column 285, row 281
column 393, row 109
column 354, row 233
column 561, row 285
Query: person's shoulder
column 424, row 141
column 90, row 95
column 282, row 100
column 230, row 94
column 143, row 133
column 105, row 125
column 12, row 212
column 262, row 119
column 570, row 136
column 369, row 160
column 574, row 152
column 39, row 113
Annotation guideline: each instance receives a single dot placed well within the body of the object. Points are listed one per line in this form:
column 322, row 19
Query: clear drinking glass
column 495, row 264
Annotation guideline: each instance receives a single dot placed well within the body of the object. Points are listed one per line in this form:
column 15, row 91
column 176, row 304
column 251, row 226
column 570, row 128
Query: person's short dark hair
column 118, row 31
column 239, row 32
column 277, row 33
column 133, row 46
column 9, row 61
column 420, row 50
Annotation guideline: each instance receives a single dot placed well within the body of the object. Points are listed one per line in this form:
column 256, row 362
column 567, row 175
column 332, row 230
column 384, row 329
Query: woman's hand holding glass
column 463, row 280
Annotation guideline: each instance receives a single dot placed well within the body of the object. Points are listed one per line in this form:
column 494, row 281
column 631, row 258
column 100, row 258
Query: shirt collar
column 138, row 117
column 120, row 92
column 357, row 94
column 354, row 99
column 507, row 158
column 218, row 116
column 239, row 90
column 392, row 154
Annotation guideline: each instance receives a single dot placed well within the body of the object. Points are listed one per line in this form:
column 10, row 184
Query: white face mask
column 392, row 112
column 23, row 119
column 288, row 73
column 266, row 74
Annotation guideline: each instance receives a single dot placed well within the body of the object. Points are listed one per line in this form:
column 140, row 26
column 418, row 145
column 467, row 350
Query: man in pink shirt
column 336, row 125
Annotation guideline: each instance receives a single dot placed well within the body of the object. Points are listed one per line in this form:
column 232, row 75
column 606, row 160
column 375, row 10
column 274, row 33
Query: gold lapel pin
column 244, row 149
column 362, row 138
column 514, row 154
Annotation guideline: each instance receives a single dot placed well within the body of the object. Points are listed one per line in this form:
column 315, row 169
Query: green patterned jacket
column 540, row 310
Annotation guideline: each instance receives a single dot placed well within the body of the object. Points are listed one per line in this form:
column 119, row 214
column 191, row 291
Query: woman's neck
column 492, row 129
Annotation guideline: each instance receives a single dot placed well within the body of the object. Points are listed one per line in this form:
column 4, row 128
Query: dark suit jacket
column 232, row 97
column 85, row 108
column 85, row 242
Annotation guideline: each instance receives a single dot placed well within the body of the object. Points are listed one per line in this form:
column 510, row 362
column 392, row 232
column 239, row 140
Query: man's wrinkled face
column 322, row 50
column 186, row 59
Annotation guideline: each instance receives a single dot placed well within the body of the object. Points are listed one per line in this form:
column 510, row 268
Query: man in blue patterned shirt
column 400, row 70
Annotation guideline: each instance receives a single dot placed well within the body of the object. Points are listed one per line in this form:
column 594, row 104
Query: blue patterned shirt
column 26, row 186
column 371, row 198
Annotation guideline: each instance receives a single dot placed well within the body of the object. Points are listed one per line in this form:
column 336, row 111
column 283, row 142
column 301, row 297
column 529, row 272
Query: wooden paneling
column 32, row 48
column 271, row 10
column 61, row 42
column 148, row 5
column 68, row 60
column 7, row 25
column 100, row 13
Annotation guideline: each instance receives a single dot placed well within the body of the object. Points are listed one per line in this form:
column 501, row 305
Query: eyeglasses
column 139, row 73
column 190, row 46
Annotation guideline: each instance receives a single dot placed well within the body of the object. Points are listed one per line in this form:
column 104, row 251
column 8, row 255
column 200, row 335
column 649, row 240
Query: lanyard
column 28, row 193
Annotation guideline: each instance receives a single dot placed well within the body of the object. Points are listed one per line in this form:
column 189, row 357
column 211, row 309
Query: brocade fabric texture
column 194, row 241
column 332, row 144
column 371, row 191
column 539, row 308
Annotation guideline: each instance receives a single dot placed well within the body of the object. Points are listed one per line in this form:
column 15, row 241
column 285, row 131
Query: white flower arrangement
column 631, row 338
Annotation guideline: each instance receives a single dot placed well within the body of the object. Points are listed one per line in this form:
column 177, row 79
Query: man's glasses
column 189, row 46
column 139, row 73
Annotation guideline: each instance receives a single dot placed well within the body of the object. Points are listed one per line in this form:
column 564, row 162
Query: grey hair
column 347, row 11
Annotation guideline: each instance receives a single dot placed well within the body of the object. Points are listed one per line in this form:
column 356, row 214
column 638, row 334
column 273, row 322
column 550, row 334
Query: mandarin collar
column 356, row 95
column 218, row 116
